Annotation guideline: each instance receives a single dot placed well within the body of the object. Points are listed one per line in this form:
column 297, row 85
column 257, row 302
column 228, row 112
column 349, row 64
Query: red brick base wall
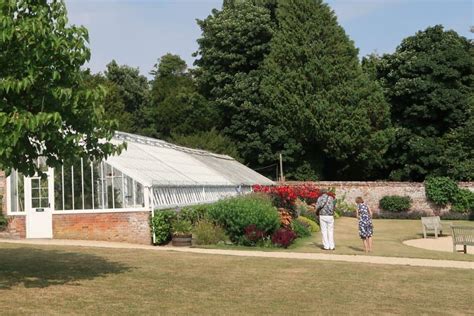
column 132, row 227
column 16, row 227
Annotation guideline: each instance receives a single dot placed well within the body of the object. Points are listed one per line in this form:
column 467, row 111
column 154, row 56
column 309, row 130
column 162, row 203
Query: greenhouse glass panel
column 98, row 185
column 67, row 178
column 128, row 191
column 88, row 185
column 58, row 189
column 138, row 192
column 16, row 192
column 117, row 188
column 77, row 183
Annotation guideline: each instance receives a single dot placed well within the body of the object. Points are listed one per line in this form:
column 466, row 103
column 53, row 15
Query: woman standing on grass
column 366, row 229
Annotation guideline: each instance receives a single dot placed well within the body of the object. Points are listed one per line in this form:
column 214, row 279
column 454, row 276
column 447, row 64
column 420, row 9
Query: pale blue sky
column 138, row 32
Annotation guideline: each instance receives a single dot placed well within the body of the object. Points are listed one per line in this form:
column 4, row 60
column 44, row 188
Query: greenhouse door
column 39, row 196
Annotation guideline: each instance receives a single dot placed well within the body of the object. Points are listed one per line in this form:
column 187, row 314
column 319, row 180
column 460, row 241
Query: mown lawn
column 388, row 238
column 45, row 280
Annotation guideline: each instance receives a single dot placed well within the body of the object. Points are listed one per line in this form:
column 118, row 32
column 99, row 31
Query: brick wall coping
column 369, row 183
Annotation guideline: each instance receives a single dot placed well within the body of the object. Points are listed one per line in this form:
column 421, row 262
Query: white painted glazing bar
column 112, row 177
column 72, row 185
column 92, row 182
column 82, row 182
column 62, row 183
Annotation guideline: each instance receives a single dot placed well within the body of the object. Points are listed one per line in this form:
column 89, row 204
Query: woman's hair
column 359, row 199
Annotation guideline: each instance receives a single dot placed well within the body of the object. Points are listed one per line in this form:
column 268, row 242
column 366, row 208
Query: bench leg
column 424, row 232
column 465, row 248
column 436, row 232
column 454, row 248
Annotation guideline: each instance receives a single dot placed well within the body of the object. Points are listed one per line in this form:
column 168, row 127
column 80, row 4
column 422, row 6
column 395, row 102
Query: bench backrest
column 431, row 222
column 463, row 234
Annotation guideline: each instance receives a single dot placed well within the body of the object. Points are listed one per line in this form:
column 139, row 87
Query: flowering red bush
column 284, row 196
column 283, row 237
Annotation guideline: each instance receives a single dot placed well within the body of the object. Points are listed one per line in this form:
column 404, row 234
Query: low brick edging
column 131, row 227
column 373, row 191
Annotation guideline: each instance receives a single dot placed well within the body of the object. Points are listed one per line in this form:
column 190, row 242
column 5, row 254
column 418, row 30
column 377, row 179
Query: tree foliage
column 286, row 79
column 323, row 103
column 429, row 84
column 234, row 43
column 45, row 108
column 132, row 86
column 175, row 106
column 212, row 141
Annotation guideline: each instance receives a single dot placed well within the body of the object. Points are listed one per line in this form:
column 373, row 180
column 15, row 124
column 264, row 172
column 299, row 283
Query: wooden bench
column 432, row 223
column 462, row 235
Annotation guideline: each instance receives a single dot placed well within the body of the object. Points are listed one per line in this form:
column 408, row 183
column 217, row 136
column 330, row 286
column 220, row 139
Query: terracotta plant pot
column 182, row 240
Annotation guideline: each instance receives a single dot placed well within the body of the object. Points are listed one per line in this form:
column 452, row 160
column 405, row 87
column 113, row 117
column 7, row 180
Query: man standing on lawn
column 325, row 209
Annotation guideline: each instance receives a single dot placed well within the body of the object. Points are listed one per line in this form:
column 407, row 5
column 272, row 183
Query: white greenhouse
column 114, row 199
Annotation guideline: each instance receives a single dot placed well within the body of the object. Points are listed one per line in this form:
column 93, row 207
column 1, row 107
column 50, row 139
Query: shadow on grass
column 40, row 268
column 356, row 248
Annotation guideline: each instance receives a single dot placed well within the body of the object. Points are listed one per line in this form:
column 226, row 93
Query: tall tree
column 132, row 85
column 133, row 89
column 287, row 79
column 45, row 108
column 114, row 104
column 233, row 46
column 234, row 43
column 429, row 84
column 322, row 102
column 175, row 106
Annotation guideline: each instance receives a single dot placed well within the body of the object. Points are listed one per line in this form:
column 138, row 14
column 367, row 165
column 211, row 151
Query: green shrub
column 301, row 228
column 162, row 224
column 309, row 213
column 207, row 233
column 3, row 222
column 235, row 214
column 314, row 227
column 395, row 203
column 343, row 207
column 193, row 213
column 440, row 190
column 3, row 219
column 401, row 215
column 463, row 201
column 181, row 227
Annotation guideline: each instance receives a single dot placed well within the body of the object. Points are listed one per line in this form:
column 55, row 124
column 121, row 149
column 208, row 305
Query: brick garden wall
column 372, row 192
column 132, row 227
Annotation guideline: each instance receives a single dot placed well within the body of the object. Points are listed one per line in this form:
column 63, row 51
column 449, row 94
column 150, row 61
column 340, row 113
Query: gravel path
column 444, row 244
column 261, row 254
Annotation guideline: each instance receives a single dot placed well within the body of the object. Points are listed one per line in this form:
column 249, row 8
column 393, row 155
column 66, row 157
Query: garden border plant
column 395, row 203
column 236, row 214
column 443, row 191
column 3, row 219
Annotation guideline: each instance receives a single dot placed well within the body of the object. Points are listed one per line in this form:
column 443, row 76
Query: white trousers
column 327, row 230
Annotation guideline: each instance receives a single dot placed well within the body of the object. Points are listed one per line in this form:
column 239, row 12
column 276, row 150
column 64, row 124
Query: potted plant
column 182, row 235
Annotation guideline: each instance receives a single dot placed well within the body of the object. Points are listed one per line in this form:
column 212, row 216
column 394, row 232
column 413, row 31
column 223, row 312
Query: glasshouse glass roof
column 155, row 162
